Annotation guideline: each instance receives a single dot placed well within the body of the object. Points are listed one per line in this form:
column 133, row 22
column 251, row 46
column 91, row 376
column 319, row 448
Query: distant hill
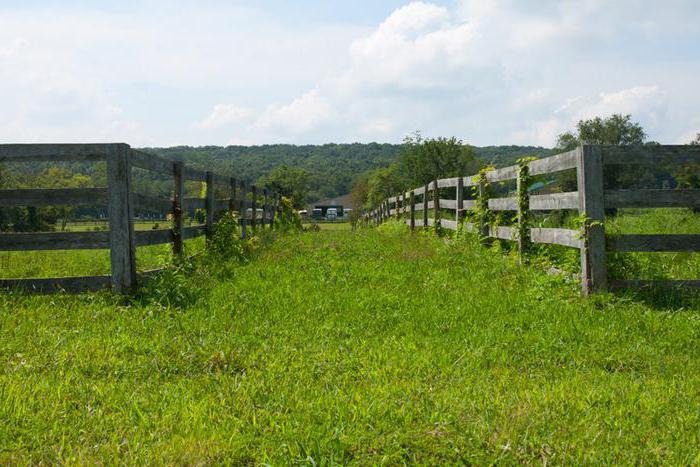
column 332, row 167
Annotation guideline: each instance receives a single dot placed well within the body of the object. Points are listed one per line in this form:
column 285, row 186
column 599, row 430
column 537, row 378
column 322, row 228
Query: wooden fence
column 590, row 199
column 121, row 202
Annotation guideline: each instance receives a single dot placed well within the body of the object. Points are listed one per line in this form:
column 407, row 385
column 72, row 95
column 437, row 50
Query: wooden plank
column 471, row 180
column 149, row 203
column 391, row 200
column 594, row 266
column 195, row 175
column 501, row 175
column 448, row 224
column 554, row 201
column 53, row 197
column 447, row 182
column 253, row 205
column 153, row 237
column 653, row 243
column 419, row 191
column 564, row 237
column 469, row 204
column 57, row 284
column 152, row 162
column 195, row 203
column 194, row 232
column 54, row 241
column 54, row 152
column 565, row 161
column 503, row 204
column 243, row 210
column 121, row 214
column 412, row 215
column 646, row 284
column 503, row 232
column 651, row 155
column 448, row 204
column 652, row 198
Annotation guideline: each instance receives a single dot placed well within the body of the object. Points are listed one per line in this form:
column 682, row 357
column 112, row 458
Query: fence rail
column 121, row 202
column 591, row 199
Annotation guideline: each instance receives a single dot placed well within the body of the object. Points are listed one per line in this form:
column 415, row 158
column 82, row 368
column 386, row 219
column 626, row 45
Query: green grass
column 375, row 347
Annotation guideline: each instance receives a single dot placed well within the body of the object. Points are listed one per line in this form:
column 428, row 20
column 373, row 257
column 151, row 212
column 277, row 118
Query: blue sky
column 160, row 73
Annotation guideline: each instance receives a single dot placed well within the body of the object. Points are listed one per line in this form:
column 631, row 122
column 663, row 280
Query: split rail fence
column 591, row 199
column 121, row 202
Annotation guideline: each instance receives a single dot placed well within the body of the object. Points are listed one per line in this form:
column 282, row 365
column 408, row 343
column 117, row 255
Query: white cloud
column 487, row 71
column 225, row 115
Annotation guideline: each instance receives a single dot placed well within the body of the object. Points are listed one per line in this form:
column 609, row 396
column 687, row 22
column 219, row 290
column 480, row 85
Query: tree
column 290, row 182
column 688, row 175
column 618, row 130
column 424, row 160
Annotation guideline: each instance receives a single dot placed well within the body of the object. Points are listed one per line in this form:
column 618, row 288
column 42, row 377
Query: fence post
column 178, row 196
column 459, row 198
column 523, row 211
column 273, row 211
column 253, row 206
column 121, row 225
column 265, row 208
column 232, row 199
column 209, row 205
column 425, row 205
column 244, row 211
column 412, row 200
column 436, row 206
column 483, row 205
column 594, row 269
column 403, row 203
column 398, row 206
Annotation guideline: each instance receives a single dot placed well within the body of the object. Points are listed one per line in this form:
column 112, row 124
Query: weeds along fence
column 121, row 202
column 591, row 200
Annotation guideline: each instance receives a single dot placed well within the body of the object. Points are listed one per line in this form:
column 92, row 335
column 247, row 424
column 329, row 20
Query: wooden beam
column 652, row 198
column 654, row 243
column 565, row 161
column 554, row 201
column 209, row 205
column 121, row 213
column 152, row 162
column 651, row 155
column 594, row 267
column 178, row 208
column 564, row 237
column 54, row 152
column 57, row 284
column 646, row 284
column 54, row 241
column 53, row 197
column 503, row 204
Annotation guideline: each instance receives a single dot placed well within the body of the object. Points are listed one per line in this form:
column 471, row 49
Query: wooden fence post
column 121, row 225
column 425, row 205
column 178, row 196
column 483, row 204
column 436, row 206
column 403, row 203
column 273, row 211
column 232, row 192
column 459, row 198
column 265, row 208
column 397, row 211
column 594, row 269
column 253, row 206
column 523, row 211
column 244, row 210
column 209, row 205
column 412, row 200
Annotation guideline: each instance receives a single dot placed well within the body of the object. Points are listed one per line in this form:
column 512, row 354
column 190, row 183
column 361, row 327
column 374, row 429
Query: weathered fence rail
column 121, row 202
column 591, row 199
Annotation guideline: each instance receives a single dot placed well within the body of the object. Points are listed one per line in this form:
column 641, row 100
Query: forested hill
column 332, row 168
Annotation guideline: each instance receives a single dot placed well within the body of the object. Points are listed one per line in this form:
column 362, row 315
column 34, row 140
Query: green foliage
column 374, row 347
column 287, row 218
column 423, row 160
column 617, row 130
column 292, row 183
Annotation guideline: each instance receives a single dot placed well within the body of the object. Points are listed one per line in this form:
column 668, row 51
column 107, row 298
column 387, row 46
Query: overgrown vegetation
column 375, row 347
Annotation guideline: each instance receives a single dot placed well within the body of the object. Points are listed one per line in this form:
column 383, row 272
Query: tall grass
column 374, row 347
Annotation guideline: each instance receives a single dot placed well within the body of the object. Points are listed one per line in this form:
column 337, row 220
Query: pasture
column 378, row 346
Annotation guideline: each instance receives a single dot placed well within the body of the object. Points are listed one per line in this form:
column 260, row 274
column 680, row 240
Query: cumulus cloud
column 487, row 71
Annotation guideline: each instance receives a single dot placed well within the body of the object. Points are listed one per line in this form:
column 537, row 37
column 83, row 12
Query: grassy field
column 370, row 347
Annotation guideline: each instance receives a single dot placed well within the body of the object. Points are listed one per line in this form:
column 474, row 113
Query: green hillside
column 375, row 347
column 332, row 167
